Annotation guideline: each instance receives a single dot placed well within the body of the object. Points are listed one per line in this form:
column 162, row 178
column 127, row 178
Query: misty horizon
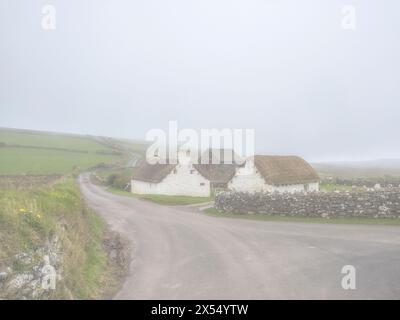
column 288, row 70
column 200, row 157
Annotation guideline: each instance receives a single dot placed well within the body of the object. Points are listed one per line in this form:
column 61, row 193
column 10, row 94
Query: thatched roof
column 216, row 173
column 278, row 170
column 152, row 172
column 217, row 166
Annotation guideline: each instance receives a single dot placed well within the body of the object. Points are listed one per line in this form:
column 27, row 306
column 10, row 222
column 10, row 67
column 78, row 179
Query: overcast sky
column 287, row 69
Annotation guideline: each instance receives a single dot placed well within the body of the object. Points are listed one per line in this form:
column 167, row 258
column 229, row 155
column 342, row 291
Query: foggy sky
column 284, row 68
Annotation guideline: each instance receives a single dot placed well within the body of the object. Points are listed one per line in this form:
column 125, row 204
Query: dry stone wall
column 384, row 203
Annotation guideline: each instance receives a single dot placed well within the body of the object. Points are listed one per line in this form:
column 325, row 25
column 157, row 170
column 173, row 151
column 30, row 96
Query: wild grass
column 163, row 199
column 335, row 187
column 174, row 200
column 28, row 219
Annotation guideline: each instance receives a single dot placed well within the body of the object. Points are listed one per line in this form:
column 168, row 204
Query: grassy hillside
column 134, row 146
column 43, row 215
column 51, row 221
column 49, row 140
column 38, row 161
column 36, row 152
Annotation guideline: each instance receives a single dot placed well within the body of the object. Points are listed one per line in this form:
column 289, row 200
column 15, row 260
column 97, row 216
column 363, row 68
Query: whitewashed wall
column 183, row 183
column 246, row 181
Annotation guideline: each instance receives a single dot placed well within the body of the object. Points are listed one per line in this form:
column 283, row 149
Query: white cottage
column 183, row 178
column 275, row 174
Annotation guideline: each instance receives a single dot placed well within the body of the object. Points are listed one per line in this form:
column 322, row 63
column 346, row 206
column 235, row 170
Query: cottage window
column 202, row 184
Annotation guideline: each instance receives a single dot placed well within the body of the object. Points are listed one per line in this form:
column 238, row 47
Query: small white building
column 275, row 174
column 170, row 179
column 184, row 178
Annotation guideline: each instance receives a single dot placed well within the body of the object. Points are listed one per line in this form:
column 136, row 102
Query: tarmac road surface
column 180, row 253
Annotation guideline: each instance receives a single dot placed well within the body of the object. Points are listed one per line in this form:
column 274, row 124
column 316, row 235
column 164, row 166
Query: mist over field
column 287, row 69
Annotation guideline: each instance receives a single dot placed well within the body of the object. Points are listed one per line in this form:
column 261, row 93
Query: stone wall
column 384, row 203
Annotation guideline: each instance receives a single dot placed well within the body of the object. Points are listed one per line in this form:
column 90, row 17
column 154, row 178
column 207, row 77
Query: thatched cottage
column 184, row 177
column 214, row 170
column 275, row 174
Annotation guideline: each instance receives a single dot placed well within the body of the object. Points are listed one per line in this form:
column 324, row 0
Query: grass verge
column 162, row 199
column 261, row 217
column 31, row 220
column 329, row 187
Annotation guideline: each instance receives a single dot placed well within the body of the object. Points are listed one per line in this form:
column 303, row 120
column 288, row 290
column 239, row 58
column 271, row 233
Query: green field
column 49, row 140
column 138, row 147
column 36, row 152
column 356, row 171
column 39, row 161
